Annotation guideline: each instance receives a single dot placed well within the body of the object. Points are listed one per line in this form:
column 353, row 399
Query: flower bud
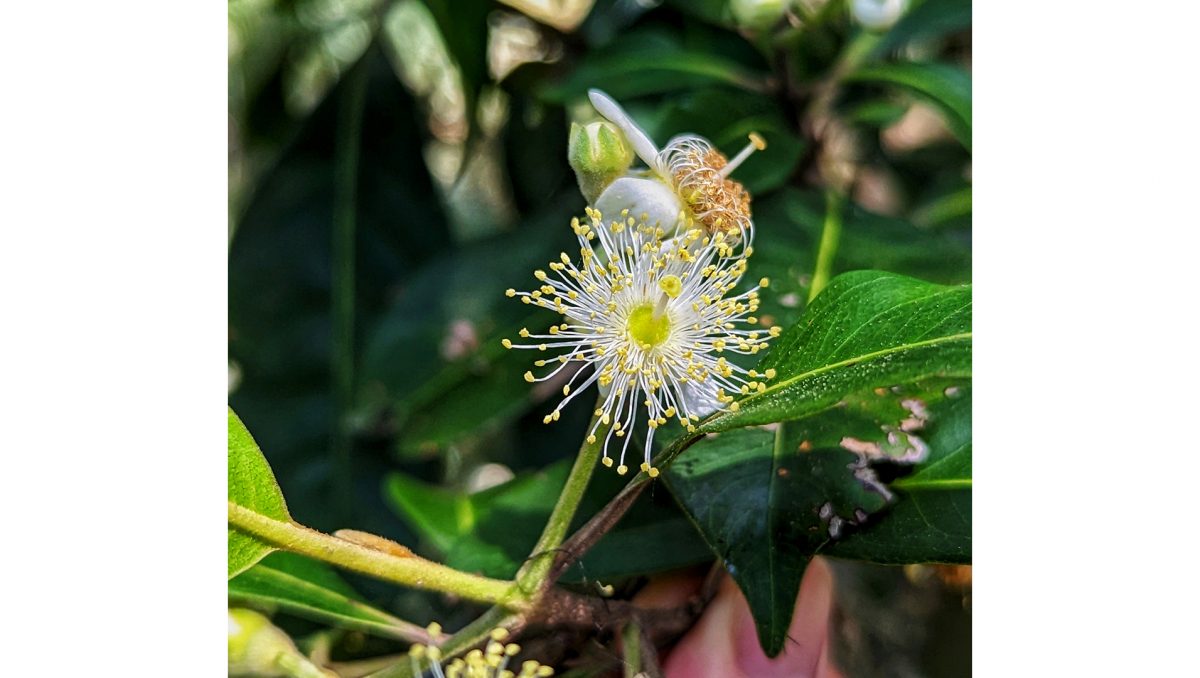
column 599, row 154
column 878, row 15
column 256, row 648
column 757, row 14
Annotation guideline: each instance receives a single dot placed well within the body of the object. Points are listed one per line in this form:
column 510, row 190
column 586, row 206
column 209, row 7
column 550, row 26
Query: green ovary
column 645, row 328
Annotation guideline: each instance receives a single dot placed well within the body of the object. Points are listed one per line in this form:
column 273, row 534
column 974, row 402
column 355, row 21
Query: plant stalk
column 534, row 576
column 409, row 571
column 830, row 234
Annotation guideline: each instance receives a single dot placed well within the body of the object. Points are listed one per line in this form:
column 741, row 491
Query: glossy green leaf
column 789, row 224
column 948, row 87
column 253, row 486
column 931, row 521
column 766, row 501
column 867, row 329
column 311, row 589
column 492, row 532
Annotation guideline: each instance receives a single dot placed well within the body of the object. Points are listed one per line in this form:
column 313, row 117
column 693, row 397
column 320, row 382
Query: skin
column 724, row 644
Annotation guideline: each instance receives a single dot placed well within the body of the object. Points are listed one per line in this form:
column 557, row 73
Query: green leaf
column 948, row 87
column 493, row 531
column 280, row 277
column 929, row 20
column 766, row 500
column 434, row 358
column 790, row 223
column 726, row 117
column 311, row 589
column 931, row 521
column 253, row 486
column 865, row 330
column 655, row 61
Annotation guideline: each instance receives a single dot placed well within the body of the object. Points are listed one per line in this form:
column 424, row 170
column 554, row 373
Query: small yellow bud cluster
column 490, row 662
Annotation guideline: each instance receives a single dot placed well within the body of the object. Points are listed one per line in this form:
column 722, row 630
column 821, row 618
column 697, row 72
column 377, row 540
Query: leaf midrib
column 778, row 386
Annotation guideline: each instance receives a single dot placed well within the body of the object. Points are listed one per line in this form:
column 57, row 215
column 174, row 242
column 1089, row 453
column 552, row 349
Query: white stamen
column 756, row 144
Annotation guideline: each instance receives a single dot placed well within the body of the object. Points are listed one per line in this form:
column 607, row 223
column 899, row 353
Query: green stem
column 345, row 194
column 830, row 234
column 631, row 645
column 297, row 666
column 409, row 571
column 534, row 575
column 469, row 636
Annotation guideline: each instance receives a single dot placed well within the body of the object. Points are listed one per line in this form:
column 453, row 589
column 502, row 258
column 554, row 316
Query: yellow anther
column 770, row 373
column 622, row 470
column 652, row 472
column 567, row 389
column 607, row 461
column 529, row 377
column 506, row 342
column 758, row 141
column 672, row 285
column 510, row 292
column 499, row 633
column 539, row 274
column 645, row 466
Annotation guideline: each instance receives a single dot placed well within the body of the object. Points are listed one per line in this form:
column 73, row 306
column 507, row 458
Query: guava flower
column 651, row 317
column 490, row 662
column 686, row 185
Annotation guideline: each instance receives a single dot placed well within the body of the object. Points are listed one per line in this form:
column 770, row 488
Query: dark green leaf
column 929, row 20
column 766, row 501
column 435, row 358
column 308, row 588
column 946, row 86
column 279, row 277
column 931, row 521
column 789, row 224
column 252, row 486
column 867, row 329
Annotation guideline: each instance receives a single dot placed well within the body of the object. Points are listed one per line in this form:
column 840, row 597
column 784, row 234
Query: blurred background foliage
column 394, row 166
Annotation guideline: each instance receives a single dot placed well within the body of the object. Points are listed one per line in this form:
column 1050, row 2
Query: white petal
column 641, row 142
column 641, row 196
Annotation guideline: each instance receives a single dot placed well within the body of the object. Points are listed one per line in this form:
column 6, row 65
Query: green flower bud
column 256, row 648
column 599, row 154
column 757, row 14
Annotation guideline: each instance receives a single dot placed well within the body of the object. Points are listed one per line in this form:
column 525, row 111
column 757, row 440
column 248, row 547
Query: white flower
column 687, row 183
column 491, row 662
column 651, row 317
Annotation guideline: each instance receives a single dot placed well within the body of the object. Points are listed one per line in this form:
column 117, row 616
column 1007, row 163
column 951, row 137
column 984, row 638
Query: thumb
column 724, row 642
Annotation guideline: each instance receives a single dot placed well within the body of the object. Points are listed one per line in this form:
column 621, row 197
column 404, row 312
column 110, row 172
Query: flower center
column 647, row 327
